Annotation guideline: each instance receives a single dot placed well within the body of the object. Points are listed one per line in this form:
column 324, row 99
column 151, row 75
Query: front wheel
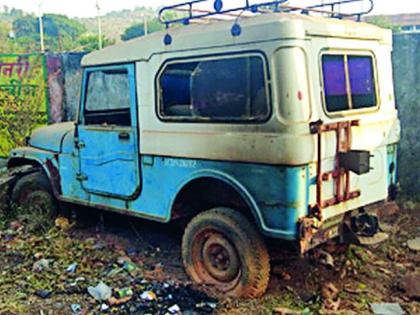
column 33, row 193
column 222, row 248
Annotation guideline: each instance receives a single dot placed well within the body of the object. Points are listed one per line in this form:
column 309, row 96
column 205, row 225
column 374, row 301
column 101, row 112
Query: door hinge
column 81, row 177
column 79, row 144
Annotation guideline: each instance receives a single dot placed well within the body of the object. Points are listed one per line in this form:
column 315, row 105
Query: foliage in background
column 19, row 33
column 384, row 22
column 18, row 118
column 23, row 101
column 137, row 30
column 153, row 25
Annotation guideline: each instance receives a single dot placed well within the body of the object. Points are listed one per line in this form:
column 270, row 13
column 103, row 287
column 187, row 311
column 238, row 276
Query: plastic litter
column 72, row 268
column 148, row 296
column 386, row 309
column 76, row 309
column 122, row 293
column 174, row 309
column 101, row 292
column 126, row 264
column 77, row 280
column 104, row 307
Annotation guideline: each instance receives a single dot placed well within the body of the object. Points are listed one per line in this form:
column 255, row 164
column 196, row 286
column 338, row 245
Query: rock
column 43, row 293
column 410, row 284
column 58, row 306
column 387, row 228
column 414, row 244
column 41, row 265
column 386, row 309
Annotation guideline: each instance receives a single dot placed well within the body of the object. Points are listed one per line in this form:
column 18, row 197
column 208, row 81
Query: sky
column 87, row 8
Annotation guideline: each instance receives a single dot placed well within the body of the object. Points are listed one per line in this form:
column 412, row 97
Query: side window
column 107, row 100
column 215, row 90
column 349, row 82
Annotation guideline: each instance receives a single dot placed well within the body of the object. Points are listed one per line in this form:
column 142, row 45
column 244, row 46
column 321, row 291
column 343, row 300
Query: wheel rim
column 220, row 258
column 216, row 260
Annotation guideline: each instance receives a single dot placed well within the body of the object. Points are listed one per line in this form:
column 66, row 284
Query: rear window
column 349, row 82
column 228, row 89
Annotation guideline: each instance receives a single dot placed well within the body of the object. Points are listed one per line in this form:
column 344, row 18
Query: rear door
column 354, row 123
column 107, row 132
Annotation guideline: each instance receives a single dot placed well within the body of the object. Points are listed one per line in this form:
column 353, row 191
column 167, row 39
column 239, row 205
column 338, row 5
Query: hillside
column 114, row 23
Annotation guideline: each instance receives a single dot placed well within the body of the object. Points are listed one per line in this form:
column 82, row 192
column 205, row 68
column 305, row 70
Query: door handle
column 124, row 135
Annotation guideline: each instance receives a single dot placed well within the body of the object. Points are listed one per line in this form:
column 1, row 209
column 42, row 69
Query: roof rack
column 331, row 9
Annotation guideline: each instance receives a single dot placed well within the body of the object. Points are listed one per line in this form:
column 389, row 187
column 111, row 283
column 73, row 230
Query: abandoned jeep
column 253, row 125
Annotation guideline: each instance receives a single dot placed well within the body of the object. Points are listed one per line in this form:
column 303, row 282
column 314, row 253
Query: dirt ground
column 122, row 252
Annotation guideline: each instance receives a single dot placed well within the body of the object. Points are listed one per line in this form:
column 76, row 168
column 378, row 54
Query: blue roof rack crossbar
column 328, row 8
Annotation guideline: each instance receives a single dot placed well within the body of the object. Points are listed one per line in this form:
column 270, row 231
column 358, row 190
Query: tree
column 384, row 22
column 137, row 30
column 89, row 42
column 61, row 32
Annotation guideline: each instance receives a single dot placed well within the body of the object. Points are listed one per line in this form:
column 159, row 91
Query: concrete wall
column 406, row 60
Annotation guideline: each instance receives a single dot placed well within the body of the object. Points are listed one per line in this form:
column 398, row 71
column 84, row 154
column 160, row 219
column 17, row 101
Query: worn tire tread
column 256, row 251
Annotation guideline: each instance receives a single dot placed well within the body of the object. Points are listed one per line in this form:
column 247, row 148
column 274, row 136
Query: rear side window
column 349, row 82
column 215, row 90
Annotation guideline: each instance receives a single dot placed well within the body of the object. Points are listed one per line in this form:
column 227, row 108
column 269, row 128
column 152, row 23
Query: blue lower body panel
column 277, row 195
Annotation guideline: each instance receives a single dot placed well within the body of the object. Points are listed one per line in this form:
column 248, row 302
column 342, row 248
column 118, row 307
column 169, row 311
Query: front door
column 107, row 132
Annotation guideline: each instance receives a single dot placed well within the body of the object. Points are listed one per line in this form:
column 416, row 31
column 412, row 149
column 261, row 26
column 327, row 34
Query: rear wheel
column 33, row 193
column 222, row 248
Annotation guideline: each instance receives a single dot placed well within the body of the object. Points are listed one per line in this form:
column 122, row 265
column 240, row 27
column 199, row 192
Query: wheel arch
column 239, row 196
column 49, row 168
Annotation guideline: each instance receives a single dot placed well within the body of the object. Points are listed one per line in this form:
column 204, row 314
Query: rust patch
column 308, row 227
column 55, row 177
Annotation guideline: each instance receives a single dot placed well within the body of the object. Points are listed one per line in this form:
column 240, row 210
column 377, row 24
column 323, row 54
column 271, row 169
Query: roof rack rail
column 329, row 8
column 332, row 9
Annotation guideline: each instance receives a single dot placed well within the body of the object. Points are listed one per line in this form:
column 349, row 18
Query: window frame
column 130, row 69
column 216, row 56
column 348, row 53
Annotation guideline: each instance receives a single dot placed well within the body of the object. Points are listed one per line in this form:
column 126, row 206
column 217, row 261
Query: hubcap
column 220, row 258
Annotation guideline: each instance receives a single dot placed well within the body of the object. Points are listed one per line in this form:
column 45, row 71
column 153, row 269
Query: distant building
column 409, row 23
